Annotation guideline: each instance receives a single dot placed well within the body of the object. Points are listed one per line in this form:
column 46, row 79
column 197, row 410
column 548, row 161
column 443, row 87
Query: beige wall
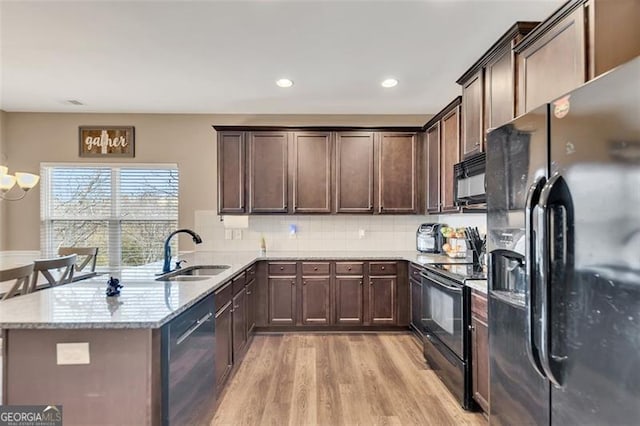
column 3, row 162
column 188, row 140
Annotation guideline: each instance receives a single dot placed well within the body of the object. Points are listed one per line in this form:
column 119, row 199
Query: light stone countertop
column 147, row 303
column 478, row 285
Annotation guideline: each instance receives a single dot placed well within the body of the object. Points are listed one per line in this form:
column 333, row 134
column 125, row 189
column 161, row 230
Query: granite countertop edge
column 241, row 262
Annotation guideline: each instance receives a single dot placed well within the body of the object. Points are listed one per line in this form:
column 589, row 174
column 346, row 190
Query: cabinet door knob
column 382, row 268
column 304, row 282
column 360, row 282
column 348, row 268
column 282, row 268
column 315, row 268
column 370, row 282
column 248, row 292
column 293, row 283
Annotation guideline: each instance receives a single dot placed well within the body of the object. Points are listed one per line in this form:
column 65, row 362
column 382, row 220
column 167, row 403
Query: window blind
column 125, row 210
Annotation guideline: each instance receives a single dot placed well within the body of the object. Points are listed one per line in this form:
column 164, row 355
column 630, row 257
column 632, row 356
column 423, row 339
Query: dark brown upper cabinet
column 311, row 180
column 578, row 42
column 472, row 114
column 432, row 174
column 354, row 172
column 231, row 172
column 489, row 90
column 268, row 172
column 450, row 143
column 499, row 90
column 555, row 64
column 318, row 170
column 397, row 172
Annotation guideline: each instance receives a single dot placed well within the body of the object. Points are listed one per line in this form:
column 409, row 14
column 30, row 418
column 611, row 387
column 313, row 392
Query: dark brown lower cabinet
column 224, row 345
column 382, row 300
column 348, row 300
column 250, row 290
column 239, row 317
column 282, row 300
column 416, row 304
column 480, row 350
column 316, row 300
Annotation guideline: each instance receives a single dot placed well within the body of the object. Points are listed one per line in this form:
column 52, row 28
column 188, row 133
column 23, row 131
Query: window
column 125, row 210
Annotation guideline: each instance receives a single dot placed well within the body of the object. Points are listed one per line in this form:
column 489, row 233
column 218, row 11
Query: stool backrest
column 20, row 276
column 64, row 264
column 90, row 255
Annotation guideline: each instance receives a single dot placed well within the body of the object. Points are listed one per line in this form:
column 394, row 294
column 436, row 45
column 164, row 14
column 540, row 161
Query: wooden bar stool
column 20, row 276
column 65, row 264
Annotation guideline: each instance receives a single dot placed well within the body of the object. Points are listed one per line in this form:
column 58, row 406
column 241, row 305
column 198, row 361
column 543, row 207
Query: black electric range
column 446, row 317
column 459, row 272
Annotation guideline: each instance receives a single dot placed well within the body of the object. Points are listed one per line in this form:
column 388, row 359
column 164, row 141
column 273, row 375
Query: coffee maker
column 429, row 239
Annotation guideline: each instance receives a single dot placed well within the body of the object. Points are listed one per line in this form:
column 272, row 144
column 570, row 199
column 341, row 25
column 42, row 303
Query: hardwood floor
column 333, row 379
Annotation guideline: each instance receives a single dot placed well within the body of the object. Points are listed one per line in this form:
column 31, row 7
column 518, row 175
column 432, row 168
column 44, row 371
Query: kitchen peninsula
column 89, row 352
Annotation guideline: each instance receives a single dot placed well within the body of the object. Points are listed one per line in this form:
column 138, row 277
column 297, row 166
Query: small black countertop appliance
column 429, row 239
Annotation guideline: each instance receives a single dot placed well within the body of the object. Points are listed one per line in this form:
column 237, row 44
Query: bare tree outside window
column 124, row 211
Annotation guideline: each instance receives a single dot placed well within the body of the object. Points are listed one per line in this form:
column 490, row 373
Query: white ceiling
column 185, row 56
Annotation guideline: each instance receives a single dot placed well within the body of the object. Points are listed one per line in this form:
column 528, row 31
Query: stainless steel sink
column 204, row 270
column 185, row 278
column 194, row 273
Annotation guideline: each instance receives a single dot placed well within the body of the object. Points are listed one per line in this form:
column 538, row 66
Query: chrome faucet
column 167, row 248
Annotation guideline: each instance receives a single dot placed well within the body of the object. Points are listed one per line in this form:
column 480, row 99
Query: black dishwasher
column 188, row 375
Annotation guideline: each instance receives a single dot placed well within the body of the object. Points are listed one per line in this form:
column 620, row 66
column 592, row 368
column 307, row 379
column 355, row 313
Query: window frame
column 113, row 221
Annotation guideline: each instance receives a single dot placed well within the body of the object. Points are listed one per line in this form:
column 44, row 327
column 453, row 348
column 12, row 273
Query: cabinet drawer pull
column 315, row 268
column 236, row 307
column 382, row 268
column 348, row 268
column 282, row 268
column 248, row 293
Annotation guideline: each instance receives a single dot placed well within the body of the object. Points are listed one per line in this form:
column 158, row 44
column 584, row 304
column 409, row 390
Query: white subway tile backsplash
column 326, row 232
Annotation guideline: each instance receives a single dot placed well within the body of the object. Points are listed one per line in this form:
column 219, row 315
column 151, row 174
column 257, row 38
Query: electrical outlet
column 72, row 353
column 228, row 234
column 237, row 234
column 361, row 233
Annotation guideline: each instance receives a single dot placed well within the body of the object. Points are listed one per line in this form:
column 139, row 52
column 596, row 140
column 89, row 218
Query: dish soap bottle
column 263, row 246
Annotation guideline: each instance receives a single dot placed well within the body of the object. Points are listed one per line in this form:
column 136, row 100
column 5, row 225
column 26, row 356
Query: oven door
column 442, row 311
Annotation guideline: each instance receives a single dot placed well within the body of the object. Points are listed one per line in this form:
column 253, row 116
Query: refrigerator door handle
column 531, row 277
column 548, row 196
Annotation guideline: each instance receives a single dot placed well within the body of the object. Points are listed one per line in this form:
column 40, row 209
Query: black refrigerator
column 563, row 216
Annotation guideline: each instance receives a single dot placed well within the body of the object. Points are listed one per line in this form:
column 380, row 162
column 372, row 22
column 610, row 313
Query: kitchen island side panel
column 119, row 385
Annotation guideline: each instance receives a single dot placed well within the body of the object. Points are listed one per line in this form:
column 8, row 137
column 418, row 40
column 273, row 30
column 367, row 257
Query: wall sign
column 107, row 141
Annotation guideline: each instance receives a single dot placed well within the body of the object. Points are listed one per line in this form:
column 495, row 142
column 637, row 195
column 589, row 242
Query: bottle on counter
column 263, row 246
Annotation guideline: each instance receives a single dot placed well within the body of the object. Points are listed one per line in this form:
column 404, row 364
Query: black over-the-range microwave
column 470, row 186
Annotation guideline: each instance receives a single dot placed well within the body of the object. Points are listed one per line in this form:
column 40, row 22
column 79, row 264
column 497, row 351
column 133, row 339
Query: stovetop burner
column 459, row 272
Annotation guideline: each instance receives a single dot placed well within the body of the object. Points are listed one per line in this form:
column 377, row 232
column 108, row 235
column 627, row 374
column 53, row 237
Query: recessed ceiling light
column 284, row 82
column 389, row 82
